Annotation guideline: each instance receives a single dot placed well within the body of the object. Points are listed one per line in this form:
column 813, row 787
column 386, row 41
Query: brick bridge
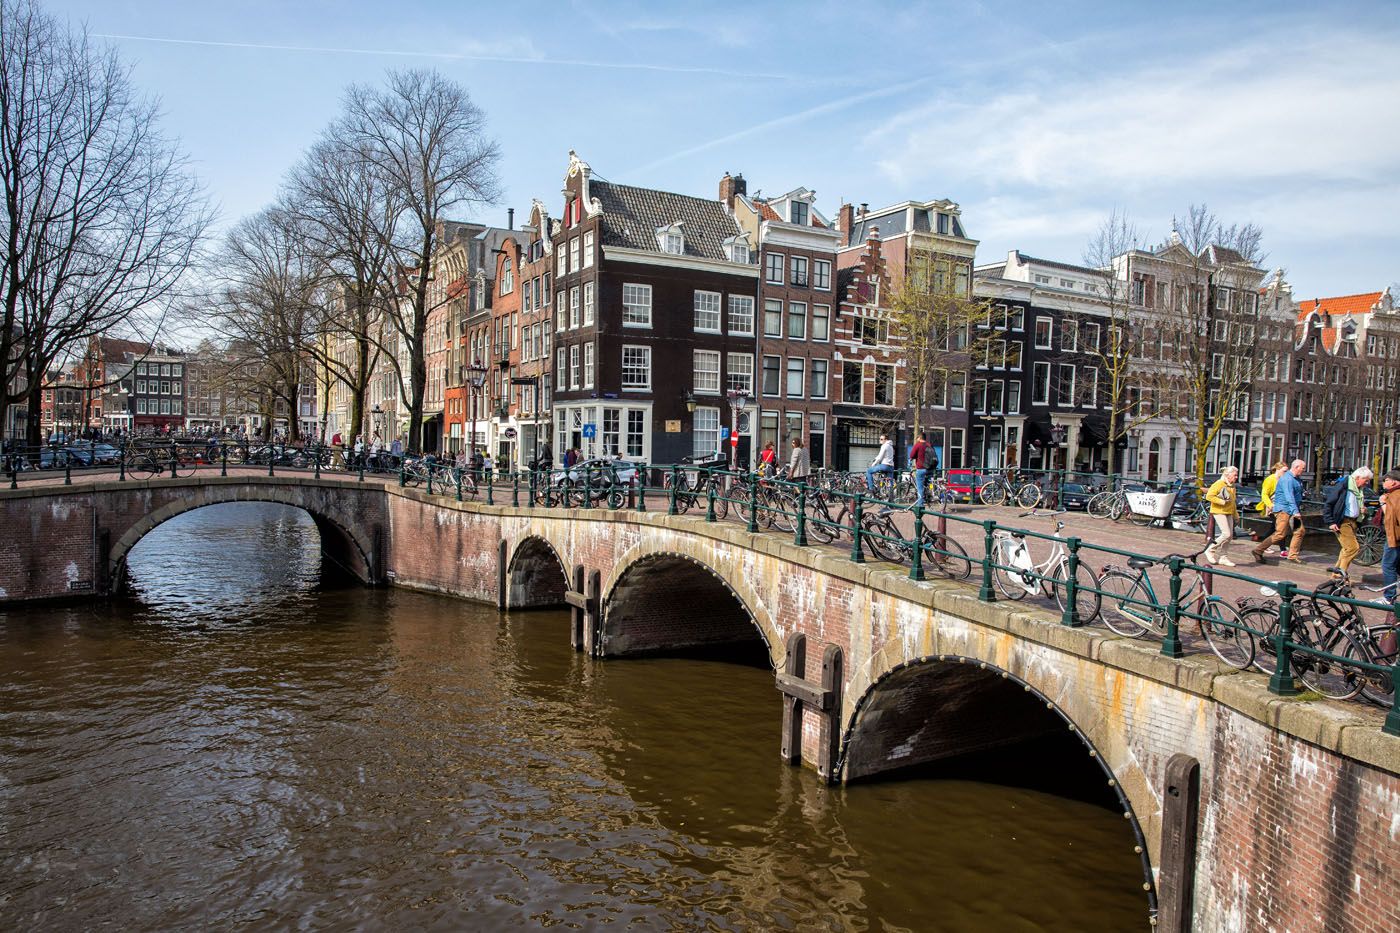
column 1250, row 811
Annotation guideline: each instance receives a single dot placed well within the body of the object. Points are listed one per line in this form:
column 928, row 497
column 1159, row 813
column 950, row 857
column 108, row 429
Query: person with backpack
column 919, row 455
column 1343, row 508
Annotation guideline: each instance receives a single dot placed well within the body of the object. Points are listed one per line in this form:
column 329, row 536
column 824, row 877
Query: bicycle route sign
column 590, row 430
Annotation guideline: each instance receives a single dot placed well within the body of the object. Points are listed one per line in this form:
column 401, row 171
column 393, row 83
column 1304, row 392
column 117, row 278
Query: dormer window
column 737, row 249
column 671, row 239
column 798, row 212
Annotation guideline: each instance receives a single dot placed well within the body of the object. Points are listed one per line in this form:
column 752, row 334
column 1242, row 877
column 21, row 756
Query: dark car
column 1076, row 496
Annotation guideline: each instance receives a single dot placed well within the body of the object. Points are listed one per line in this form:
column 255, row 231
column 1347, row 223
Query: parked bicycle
column 1133, row 609
column 1018, row 576
column 887, row 542
column 1001, row 488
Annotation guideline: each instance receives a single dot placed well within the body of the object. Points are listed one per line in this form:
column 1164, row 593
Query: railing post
column 121, row 463
column 857, row 522
column 534, row 488
column 515, row 491
column 362, row 468
column 430, row 480
column 672, row 509
column 640, row 479
column 916, row 555
column 67, row 469
column 14, row 470
column 490, row 488
column 316, row 458
column 986, row 593
column 1071, row 616
column 457, row 478
column 403, row 474
column 1282, row 683
column 271, row 460
column 172, row 460
column 1392, row 718
column 799, row 536
column 710, row 494
column 1171, row 642
column 753, row 503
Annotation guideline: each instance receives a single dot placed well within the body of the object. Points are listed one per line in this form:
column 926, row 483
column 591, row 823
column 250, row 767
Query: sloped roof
column 631, row 217
column 1068, row 267
column 1223, row 255
column 113, row 349
column 1342, row 304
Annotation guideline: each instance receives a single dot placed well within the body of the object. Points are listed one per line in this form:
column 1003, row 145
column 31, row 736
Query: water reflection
column 239, row 747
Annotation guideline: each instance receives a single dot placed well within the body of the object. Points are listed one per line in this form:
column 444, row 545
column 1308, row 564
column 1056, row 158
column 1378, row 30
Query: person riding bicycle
column 883, row 463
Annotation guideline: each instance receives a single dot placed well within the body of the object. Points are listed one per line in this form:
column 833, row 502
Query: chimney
column 730, row 186
column 510, row 218
column 845, row 221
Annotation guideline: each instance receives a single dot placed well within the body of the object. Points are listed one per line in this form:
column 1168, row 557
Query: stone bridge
column 1248, row 811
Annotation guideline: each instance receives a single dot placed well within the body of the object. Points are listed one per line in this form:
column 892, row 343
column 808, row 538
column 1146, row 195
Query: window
column 141, row 405
column 573, row 307
column 165, row 388
column 1089, row 396
column 612, row 419
column 175, row 389
column 821, row 274
column 852, row 380
column 1042, row 333
column 741, row 315
column 573, row 367
column 873, row 332
column 636, row 305
column 672, row 242
column 507, row 276
column 1091, row 337
column 588, row 365
column 799, row 272
column 773, row 266
column 738, row 251
column 574, row 255
column 560, row 375
column 1069, row 336
column 706, row 431
column 562, row 264
column 1013, row 398
column 636, row 367
column 1040, row 384
column 772, row 318
column 740, row 372
column 817, row 385
column 587, row 250
column 141, row 386
column 1064, row 389
column 706, row 372
column 821, row 322
column 1013, row 354
column 797, row 320
column 957, row 390
column 1041, row 279
column 797, row 212
column 636, row 432
column 884, row 385
column 772, row 373
column 165, row 369
column 140, row 369
column 176, row 369
column 165, row 406
column 707, row 311
column 796, row 376
column 588, row 303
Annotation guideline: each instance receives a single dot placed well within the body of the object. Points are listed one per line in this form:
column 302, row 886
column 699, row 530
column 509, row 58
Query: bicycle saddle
column 1139, row 563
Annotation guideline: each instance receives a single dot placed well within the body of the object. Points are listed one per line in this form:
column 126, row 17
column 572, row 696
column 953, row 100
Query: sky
column 1039, row 119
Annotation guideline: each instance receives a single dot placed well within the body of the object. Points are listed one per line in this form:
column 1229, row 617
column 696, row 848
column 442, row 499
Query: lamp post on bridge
column 477, row 375
column 738, row 401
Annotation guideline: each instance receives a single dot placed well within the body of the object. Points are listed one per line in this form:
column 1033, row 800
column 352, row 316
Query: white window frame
column 737, row 304
column 645, row 354
column 739, row 372
column 821, row 275
column 772, row 261
column 714, row 305
column 820, row 313
column 705, row 372
column 633, row 314
column 588, row 366
column 589, row 311
column 1050, row 332
column 588, row 249
column 705, row 429
column 574, row 368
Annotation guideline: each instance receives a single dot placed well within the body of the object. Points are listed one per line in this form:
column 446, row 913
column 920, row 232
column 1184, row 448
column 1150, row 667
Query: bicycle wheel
column 1224, row 632
column 945, row 555
column 1116, row 507
column 1140, row 518
column 144, row 467
column 1123, row 609
column 992, row 493
column 1371, row 540
column 1262, row 621
column 1011, row 581
column 1028, row 496
column 1086, row 599
column 819, row 525
column 1335, row 680
column 1376, row 686
column 877, row 532
column 1099, row 504
column 782, row 511
column 617, row 497
column 236, row 454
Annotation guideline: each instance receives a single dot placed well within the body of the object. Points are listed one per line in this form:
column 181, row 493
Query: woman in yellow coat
column 1224, row 512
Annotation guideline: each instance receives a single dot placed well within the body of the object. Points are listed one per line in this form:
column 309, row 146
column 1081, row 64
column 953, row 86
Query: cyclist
column 883, row 463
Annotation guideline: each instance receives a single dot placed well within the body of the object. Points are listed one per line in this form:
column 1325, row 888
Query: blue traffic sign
column 590, row 430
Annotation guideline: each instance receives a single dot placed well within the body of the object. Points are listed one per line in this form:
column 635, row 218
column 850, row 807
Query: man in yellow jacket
column 1224, row 512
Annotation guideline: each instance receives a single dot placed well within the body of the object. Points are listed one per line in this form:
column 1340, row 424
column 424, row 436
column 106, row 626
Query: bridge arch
column 536, row 576
column 942, row 706
column 346, row 549
column 658, row 601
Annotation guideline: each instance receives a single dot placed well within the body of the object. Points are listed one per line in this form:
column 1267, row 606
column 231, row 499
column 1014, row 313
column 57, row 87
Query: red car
column 963, row 484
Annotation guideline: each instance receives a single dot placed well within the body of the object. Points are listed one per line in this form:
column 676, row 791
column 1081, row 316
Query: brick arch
column 345, row 543
column 536, row 575
column 659, row 600
column 939, row 706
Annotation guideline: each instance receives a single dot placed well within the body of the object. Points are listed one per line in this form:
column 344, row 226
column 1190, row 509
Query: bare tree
column 101, row 217
column 1210, row 322
column 425, row 142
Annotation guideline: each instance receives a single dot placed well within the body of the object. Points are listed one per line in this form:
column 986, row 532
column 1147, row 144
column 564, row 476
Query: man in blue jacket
column 1343, row 509
column 1288, row 512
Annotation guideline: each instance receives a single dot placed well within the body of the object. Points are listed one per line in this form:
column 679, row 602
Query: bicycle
column 1018, row 576
column 776, row 506
column 886, row 542
column 1132, row 609
column 695, row 495
column 1000, row 489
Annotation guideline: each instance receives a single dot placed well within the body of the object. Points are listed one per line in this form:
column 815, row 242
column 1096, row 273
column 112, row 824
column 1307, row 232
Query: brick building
column 536, row 329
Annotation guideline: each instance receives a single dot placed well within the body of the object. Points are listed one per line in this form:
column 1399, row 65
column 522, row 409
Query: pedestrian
column 1224, row 512
column 1266, row 507
column 883, row 462
column 486, row 465
column 1390, row 519
column 570, row 457
column 1342, row 510
column 335, row 440
column 800, row 463
column 919, row 455
column 767, row 459
column 396, row 447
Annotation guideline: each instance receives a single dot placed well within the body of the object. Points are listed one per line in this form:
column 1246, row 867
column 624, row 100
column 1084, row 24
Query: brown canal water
column 237, row 747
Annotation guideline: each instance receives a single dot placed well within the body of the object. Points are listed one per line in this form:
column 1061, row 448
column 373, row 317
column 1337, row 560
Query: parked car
column 601, row 469
column 963, row 484
column 1076, row 496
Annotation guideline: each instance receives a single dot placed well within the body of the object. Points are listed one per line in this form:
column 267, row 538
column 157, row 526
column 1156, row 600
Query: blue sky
column 1038, row 118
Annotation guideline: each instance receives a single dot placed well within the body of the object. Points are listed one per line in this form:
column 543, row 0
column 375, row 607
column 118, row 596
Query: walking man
column 1281, row 494
column 920, row 457
column 1343, row 509
column 1224, row 511
column 1390, row 516
column 883, row 462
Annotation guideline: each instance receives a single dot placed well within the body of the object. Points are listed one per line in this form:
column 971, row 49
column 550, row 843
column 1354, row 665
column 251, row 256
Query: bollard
column 799, row 536
column 986, row 593
column 1281, row 684
column 1071, row 616
column 916, row 556
column 1171, row 642
column 857, row 520
column 710, row 508
column 753, row 504
column 675, row 485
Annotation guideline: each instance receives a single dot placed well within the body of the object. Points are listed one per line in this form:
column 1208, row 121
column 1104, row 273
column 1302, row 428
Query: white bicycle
column 1018, row 576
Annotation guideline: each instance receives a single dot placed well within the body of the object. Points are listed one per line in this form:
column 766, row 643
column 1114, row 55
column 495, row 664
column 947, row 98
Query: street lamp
column 477, row 374
column 532, row 381
column 690, row 401
column 738, row 401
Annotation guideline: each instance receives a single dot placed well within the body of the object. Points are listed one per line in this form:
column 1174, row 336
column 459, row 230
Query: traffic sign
column 734, row 440
column 590, row 430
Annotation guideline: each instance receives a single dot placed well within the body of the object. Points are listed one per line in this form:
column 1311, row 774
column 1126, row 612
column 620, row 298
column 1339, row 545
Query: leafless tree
column 102, row 218
column 425, row 142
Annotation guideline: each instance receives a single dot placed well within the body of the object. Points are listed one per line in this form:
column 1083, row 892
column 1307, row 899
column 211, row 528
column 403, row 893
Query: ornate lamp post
column 738, row 401
column 477, row 374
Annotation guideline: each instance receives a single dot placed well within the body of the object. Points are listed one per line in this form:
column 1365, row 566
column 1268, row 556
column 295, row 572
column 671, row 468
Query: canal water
column 236, row 747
